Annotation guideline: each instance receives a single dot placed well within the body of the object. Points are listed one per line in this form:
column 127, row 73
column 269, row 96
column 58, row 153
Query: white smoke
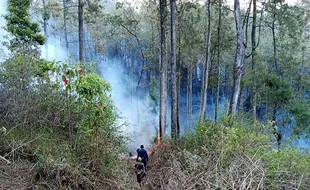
column 136, row 111
column 55, row 50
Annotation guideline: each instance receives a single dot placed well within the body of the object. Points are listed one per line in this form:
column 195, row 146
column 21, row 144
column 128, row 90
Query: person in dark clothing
column 140, row 170
column 143, row 155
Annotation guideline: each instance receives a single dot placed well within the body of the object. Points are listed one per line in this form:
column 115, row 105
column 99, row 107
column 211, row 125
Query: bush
column 60, row 115
column 240, row 154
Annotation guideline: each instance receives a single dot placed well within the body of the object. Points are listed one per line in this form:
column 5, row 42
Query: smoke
column 53, row 50
column 136, row 111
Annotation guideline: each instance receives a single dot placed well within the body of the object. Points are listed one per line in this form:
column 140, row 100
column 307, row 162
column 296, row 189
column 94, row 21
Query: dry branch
column 6, row 160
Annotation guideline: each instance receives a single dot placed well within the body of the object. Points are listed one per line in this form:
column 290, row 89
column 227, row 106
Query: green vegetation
column 59, row 128
column 230, row 155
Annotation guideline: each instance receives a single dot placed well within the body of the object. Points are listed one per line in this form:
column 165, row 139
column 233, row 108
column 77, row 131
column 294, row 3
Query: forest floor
column 25, row 175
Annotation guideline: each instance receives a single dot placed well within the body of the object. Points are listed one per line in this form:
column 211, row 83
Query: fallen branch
column 6, row 160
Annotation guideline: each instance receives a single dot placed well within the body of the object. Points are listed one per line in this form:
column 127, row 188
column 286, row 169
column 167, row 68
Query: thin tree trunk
column 174, row 116
column 178, row 99
column 65, row 25
column 275, row 59
column 253, row 36
column 240, row 103
column 218, row 62
column 239, row 60
column 189, row 95
column 204, row 87
column 81, row 31
column 45, row 17
column 179, row 74
column 276, row 131
column 163, row 70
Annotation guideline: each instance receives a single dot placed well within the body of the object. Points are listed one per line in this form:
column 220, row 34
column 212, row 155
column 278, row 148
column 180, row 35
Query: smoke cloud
column 55, row 50
column 136, row 111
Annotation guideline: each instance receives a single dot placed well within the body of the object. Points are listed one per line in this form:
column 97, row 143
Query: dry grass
column 168, row 169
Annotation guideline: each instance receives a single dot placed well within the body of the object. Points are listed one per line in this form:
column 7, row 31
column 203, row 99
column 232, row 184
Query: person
column 140, row 170
column 143, row 155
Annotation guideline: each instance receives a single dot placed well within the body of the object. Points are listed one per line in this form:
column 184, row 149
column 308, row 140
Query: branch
column 246, row 18
column 4, row 159
column 259, row 31
column 141, row 51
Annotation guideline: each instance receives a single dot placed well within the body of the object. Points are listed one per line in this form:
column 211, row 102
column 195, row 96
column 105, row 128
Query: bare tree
column 174, row 115
column 239, row 60
column 163, row 70
column 81, row 31
column 65, row 12
column 45, row 18
column 253, row 41
column 218, row 62
column 206, row 65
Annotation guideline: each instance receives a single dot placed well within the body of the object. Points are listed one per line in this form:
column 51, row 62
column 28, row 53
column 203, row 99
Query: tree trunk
column 163, row 70
column 276, row 131
column 253, row 39
column 179, row 75
column 65, row 25
column 81, row 31
column 174, row 116
column 189, row 95
column 275, row 60
column 239, row 60
column 178, row 99
column 45, row 17
column 204, row 87
column 218, row 62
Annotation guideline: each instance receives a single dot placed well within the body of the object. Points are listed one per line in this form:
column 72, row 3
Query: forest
column 216, row 90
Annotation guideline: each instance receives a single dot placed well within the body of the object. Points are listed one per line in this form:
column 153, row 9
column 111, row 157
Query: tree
column 163, row 70
column 81, row 30
column 26, row 34
column 174, row 116
column 45, row 18
column 65, row 12
column 218, row 61
column 239, row 60
column 206, row 66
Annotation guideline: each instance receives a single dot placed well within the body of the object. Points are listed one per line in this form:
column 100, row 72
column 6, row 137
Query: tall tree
column 253, row 42
column 239, row 60
column 163, row 70
column 174, row 116
column 81, row 30
column 218, row 62
column 65, row 12
column 45, row 18
column 26, row 34
column 206, row 65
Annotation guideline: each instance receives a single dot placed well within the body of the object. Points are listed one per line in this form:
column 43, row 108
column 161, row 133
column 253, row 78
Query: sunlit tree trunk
column 65, row 12
column 239, row 60
column 179, row 75
column 45, row 18
column 218, row 62
column 163, row 70
column 204, row 87
column 189, row 95
column 253, row 40
column 174, row 116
